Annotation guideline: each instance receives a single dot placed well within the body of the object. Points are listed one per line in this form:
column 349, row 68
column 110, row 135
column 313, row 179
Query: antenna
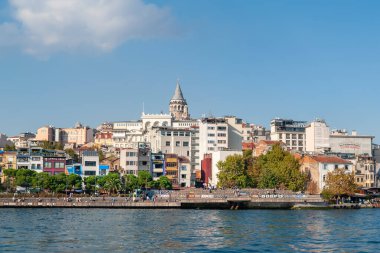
column 143, row 111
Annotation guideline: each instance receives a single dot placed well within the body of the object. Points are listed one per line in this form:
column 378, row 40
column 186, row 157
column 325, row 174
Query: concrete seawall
column 196, row 203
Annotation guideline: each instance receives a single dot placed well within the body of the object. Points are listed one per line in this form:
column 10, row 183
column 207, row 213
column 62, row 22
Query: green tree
column 74, row 181
column 131, row 182
column 25, row 177
column 233, row 172
column 42, row 181
column 58, row 182
column 144, row 178
column 11, row 147
column 279, row 169
column 339, row 183
column 71, row 152
column 112, row 183
column 10, row 179
column 164, row 183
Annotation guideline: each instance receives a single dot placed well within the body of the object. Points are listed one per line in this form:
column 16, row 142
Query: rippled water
column 100, row 230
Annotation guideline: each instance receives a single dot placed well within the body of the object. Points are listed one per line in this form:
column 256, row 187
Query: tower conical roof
column 178, row 93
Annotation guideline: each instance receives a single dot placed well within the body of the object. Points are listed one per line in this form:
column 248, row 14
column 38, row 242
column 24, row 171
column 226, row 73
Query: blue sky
column 253, row 59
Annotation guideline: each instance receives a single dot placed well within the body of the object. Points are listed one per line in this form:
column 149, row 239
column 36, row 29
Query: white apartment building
column 133, row 160
column 213, row 135
column 290, row 132
column 317, row 136
column 90, row 163
column 342, row 142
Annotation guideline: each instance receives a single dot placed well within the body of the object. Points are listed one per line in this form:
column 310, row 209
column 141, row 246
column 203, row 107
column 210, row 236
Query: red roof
column 329, row 159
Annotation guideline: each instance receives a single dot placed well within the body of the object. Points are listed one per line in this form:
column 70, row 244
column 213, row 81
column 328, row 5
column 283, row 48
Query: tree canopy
column 339, row 183
column 276, row 169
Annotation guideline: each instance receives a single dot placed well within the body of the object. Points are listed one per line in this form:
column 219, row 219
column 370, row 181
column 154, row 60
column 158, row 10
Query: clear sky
column 94, row 61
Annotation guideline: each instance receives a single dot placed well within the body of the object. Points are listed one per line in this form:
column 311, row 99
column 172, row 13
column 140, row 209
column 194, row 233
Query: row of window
column 219, row 128
column 134, row 163
column 58, row 165
column 177, row 144
column 294, row 136
column 174, row 133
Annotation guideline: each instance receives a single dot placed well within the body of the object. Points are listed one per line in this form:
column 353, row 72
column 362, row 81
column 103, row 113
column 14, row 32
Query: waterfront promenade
column 189, row 198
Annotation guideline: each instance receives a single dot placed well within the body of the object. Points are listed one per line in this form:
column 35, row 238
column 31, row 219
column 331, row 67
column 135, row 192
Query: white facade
column 90, row 163
column 133, row 160
column 351, row 144
column 185, row 172
column 290, row 132
column 216, row 157
column 325, row 168
column 213, row 136
column 317, row 136
column 235, row 132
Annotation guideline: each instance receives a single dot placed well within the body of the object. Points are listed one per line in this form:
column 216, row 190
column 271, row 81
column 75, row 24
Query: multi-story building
column 157, row 165
column 8, row 160
column 318, row 166
column 365, row 171
column 213, row 135
column 90, row 163
column 54, row 164
column 171, row 168
column 22, row 140
column 253, row 133
column 184, row 171
column 290, row 132
column 342, row 142
column 45, row 133
column 133, row 160
column 317, row 136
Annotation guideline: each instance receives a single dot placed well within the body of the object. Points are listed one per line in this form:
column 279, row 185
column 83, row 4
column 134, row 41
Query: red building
column 54, row 164
column 206, row 168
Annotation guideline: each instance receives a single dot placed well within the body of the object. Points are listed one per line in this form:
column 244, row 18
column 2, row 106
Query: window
column 183, row 168
column 222, row 128
column 177, row 143
column 36, row 158
column 221, row 135
column 287, row 136
column 175, row 133
column 294, row 143
column 211, row 135
column 324, row 178
column 143, row 163
column 130, row 163
column 222, row 141
column 346, row 167
column 280, row 136
column 288, row 142
column 185, row 143
column 210, row 141
column 181, row 134
column 167, row 144
column 210, row 128
column 300, row 143
column 183, row 176
column 61, row 165
column 300, row 136
column 168, row 133
column 210, row 148
column 131, row 154
column 90, row 163
column 47, row 164
column 187, row 133
column 89, row 173
column 171, row 164
column 336, row 166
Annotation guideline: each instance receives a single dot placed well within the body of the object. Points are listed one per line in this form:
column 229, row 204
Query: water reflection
column 100, row 230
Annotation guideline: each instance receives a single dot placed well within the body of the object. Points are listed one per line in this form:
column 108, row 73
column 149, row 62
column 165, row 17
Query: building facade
column 290, row 132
